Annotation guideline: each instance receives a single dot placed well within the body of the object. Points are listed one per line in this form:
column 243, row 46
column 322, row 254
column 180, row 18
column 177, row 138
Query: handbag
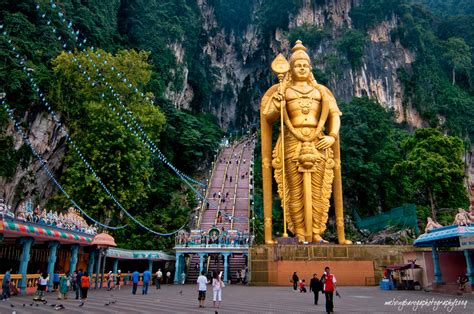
column 222, row 284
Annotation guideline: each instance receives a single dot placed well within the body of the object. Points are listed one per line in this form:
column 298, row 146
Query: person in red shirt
column 329, row 281
column 85, row 284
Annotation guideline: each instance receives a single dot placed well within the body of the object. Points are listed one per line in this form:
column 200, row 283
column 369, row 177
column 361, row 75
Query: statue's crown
column 298, row 52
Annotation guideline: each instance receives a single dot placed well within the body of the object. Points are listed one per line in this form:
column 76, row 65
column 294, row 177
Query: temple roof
column 11, row 228
column 444, row 237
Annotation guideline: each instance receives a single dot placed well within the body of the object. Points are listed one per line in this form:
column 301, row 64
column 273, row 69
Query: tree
column 434, row 167
column 370, row 146
column 122, row 162
column 458, row 55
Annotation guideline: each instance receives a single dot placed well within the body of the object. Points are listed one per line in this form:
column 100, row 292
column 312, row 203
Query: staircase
column 229, row 189
column 228, row 195
column 236, row 264
column 193, row 272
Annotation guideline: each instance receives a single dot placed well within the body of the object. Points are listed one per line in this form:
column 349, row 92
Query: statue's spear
column 280, row 67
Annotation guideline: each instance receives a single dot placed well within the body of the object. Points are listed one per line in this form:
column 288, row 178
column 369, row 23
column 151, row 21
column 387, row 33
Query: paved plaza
column 242, row 299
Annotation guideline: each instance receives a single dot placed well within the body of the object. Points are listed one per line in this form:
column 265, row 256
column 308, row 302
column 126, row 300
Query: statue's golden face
column 300, row 70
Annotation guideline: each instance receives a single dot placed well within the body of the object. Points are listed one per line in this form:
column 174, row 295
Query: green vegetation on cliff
column 160, row 44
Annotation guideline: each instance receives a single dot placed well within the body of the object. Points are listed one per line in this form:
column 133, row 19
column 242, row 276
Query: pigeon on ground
column 106, row 304
column 53, row 305
column 11, row 305
column 31, row 304
column 113, row 302
column 82, row 304
column 181, row 292
column 59, row 307
column 44, row 302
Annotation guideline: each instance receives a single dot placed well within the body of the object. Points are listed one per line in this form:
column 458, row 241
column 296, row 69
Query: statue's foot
column 317, row 238
column 300, row 238
column 346, row 242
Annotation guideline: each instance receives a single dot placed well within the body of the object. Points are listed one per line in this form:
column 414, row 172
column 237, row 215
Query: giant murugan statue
column 306, row 157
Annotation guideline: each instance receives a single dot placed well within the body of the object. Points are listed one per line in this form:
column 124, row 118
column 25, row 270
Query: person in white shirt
column 217, row 285
column 159, row 274
column 168, row 277
column 202, row 282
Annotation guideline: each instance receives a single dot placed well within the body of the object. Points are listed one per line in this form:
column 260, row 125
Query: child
column 302, row 286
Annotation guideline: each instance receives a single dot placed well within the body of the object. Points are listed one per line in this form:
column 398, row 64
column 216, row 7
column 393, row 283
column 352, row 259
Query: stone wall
column 352, row 265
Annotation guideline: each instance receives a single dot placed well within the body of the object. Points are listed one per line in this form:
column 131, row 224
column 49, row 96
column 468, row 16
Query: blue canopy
column 445, row 236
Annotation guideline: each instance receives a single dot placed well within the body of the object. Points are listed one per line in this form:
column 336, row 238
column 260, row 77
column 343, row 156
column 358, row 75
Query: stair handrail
column 237, row 171
column 203, row 205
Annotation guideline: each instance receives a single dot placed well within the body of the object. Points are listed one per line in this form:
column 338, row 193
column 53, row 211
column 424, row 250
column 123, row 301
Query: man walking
column 79, row 284
column 329, row 281
column 135, row 279
column 146, row 281
column 159, row 274
column 315, row 286
column 295, row 281
column 202, row 282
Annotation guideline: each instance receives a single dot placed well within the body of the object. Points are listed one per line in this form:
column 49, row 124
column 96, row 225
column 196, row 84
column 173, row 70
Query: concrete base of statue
column 287, row 241
column 353, row 265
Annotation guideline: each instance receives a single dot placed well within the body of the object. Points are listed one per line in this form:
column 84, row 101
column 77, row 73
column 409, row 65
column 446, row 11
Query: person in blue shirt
column 135, row 279
column 146, row 281
column 56, row 277
column 6, row 285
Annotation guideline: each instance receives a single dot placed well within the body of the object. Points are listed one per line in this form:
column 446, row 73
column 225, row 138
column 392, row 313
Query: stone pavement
column 242, row 299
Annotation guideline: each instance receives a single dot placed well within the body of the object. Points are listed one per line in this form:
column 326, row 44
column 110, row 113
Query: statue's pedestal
column 287, row 241
column 353, row 265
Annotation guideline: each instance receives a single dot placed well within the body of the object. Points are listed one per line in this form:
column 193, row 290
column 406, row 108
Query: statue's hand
column 278, row 99
column 326, row 142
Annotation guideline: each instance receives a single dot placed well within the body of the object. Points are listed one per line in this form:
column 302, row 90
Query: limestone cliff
column 241, row 63
column 32, row 181
column 237, row 65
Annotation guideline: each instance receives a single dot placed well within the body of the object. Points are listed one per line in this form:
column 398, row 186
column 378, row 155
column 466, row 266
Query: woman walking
column 118, row 277
column 110, row 279
column 85, row 284
column 217, row 285
column 63, row 286
column 42, row 284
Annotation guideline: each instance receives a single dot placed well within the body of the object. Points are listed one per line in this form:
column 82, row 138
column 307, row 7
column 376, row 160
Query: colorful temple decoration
column 19, row 228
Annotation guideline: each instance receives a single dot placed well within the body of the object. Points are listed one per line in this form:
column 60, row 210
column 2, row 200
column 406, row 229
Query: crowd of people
column 71, row 220
column 326, row 285
column 79, row 282
column 214, row 237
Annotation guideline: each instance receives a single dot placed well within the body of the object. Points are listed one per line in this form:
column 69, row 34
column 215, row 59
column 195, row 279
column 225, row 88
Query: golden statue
column 309, row 121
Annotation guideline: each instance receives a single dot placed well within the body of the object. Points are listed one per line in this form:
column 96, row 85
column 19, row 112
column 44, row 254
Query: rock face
column 33, row 182
column 241, row 63
column 238, row 66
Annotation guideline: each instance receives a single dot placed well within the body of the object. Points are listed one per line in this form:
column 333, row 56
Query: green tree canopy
column 369, row 148
column 433, row 165
column 458, row 55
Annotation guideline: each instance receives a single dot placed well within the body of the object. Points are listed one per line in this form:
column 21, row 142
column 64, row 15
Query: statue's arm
column 271, row 104
column 334, row 120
